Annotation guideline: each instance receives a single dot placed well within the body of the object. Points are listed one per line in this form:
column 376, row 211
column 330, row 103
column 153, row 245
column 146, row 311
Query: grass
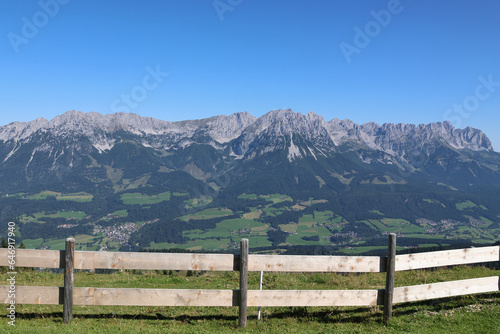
column 198, row 202
column 259, row 241
column 253, row 214
column 487, row 221
column 141, row 199
column 60, row 244
column 77, row 197
column 81, row 241
column 120, row 213
column 377, row 212
column 33, row 243
column 39, row 216
column 55, row 243
column 465, row 314
column 465, row 205
column 362, row 249
column 275, row 198
column 306, row 229
column 214, row 243
column 71, row 214
column 229, row 228
column 208, row 214
column 318, row 217
column 394, row 225
column 318, row 223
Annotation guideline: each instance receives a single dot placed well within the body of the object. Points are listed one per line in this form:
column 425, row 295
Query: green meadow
column 474, row 313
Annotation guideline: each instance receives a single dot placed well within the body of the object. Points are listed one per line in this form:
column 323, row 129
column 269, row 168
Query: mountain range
column 404, row 170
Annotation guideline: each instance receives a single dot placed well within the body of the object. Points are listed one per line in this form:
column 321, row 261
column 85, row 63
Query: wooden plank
column 181, row 261
column 315, row 297
column 157, row 297
column 34, row 295
column 389, row 281
column 243, row 295
column 124, row 297
column 226, row 262
column 304, row 263
column 35, row 258
column 154, row 261
column 122, row 260
column 447, row 258
column 69, row 280
column 194, row 297
column 446, row 289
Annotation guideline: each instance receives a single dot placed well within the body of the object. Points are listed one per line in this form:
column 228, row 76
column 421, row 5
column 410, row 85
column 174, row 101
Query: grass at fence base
column 465, row 314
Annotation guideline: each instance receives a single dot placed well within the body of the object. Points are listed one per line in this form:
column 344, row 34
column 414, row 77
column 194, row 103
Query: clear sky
column 408, row 61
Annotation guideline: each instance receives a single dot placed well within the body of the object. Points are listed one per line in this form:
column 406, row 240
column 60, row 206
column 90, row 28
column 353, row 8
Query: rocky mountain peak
column 285, row 121
column 388, row 136
column 21, row 130
column 265, row 133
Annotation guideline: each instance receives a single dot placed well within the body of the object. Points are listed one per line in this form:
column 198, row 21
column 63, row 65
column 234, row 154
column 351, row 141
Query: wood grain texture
column 446, row 289
column 243, row 294
column 194, row 297
column 227, row 262
column 389, row 279
column 130, row 297
column 69, row 278
column 309, row 263
column 447, row 258
column 315, row 297
column 35, row 258
column 122, row 260
column 43, row 295
column 154, row 261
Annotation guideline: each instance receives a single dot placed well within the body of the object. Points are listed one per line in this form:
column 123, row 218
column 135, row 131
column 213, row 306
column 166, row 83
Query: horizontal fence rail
column 194, row 297
column 244, row 263
column 212, row 297
column 122, row 260
column 305, row 263
column 268, row 263
column 447, row 258
column 446, row 289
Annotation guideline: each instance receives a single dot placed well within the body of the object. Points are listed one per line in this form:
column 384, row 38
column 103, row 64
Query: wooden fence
column 242, row 297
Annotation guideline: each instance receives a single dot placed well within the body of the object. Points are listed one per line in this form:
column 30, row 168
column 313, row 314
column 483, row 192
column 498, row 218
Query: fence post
column 242, row 320
column 69, row 256
column 389, row 281
column 260, row 288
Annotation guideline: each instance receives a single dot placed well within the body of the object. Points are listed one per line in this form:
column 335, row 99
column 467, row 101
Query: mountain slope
column 358, row 172
column 76, row 142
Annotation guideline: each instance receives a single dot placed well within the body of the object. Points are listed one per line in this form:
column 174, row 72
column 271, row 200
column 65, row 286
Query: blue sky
column 405, row 61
